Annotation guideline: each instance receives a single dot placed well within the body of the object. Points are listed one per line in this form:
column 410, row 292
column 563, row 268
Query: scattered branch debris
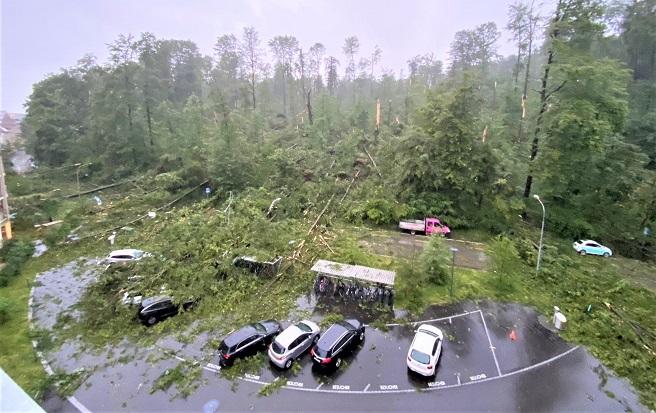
column 648, row 338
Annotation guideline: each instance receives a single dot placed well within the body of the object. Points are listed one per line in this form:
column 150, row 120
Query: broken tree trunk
column 321, row 214
column 309, row 107
column 374, row 162
column 100, row 188
column 349, row 187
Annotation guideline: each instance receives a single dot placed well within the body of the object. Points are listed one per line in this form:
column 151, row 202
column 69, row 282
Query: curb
column 71, row 399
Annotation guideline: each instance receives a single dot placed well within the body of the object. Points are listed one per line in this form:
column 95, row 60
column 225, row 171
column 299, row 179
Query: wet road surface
column 481, row 367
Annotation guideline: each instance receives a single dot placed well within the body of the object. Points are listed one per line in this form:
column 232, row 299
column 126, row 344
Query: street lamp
column 537, row 269
column 453, row 263
column 77, row 176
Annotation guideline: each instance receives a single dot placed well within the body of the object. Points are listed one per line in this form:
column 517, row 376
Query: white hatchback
column 425, row 350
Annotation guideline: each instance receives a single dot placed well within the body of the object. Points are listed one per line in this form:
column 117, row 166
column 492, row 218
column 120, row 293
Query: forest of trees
column 571, row 116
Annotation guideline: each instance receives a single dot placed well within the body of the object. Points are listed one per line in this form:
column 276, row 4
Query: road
column 397, row 244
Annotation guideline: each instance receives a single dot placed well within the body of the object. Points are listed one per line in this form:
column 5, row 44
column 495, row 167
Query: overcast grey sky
column 39, row 37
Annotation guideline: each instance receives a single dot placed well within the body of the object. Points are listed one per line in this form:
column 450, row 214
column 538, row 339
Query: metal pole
column 453, row 263
column 77, row 175
column 544, row 213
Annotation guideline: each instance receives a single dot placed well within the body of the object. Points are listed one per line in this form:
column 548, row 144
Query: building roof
column 357, row 272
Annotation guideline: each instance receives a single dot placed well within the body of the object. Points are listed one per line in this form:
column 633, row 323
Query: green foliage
column 330, row 319
column 409, row 289
column 67, row 383
column 274, row 386
column 15, row 253
column 169, row 181
column 186, row 377
column 57, row 234
column 434, row 260
column 505, row 261
column 6, row 307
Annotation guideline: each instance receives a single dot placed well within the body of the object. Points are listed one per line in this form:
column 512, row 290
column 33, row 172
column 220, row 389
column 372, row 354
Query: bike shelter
column 372, row 277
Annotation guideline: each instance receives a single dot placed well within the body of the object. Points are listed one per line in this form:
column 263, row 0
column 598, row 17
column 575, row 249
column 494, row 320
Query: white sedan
column 425, row 350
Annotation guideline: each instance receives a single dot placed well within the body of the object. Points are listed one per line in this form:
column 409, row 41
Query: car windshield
column 260, row 328
column 430, row 333
column 304, row 327
column 138, row 254
column 320, row 352
column 224, row 348
column 277, row 348
column 420, row 357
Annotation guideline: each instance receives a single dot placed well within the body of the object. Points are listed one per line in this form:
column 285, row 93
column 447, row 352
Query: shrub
column 434, row 260
column 15, row 253
column 5, row 310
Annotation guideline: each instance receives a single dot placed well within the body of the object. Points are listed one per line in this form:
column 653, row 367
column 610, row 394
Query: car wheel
column 412, row 232
column 606, row 254
column 151, row 320
column 288, row 364
column 338, row 362
column 582, row 252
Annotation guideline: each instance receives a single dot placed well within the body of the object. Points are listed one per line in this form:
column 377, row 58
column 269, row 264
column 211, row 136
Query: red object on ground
column 512, row 335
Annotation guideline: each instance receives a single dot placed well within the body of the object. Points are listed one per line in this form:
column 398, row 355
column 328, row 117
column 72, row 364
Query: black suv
column 247, row 341
column 156, row 309
column 337, row 342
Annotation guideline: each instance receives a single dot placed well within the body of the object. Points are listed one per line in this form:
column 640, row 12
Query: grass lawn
column 17, row 356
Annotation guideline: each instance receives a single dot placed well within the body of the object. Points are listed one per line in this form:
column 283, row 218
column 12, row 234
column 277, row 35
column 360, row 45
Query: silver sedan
column 292, row 343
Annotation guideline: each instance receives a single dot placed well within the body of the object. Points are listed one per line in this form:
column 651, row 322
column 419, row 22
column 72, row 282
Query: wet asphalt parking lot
column 481, row 368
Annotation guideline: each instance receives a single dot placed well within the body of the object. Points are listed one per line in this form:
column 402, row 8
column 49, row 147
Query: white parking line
column 412, row 390
column 365, row 389
column 490, row 341
column 432, row 320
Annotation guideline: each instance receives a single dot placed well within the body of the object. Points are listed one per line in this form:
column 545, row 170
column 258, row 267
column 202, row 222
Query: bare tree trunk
column 389, row 113
column 519, row 57
column 253, row 87
column 531, row 32
column 543, row 100
column 150, row 123
column 309, row 107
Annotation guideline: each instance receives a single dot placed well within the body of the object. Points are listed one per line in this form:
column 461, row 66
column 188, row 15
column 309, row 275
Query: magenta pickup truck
column 428, row 226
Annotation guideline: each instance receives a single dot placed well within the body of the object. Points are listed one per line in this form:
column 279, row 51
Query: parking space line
column 432, row 320
column 413, row 390
column 494, row 354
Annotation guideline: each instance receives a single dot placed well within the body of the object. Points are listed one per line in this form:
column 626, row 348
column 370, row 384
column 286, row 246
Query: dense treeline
column 571, row 117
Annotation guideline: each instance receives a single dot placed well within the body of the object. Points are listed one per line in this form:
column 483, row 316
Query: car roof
column 332, row 335
column 288, row 335
column 152, row 300
column 128, row 251
column 239, row 335
column 423, row 340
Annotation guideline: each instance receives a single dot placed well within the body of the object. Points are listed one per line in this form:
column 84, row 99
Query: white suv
column 425, row 350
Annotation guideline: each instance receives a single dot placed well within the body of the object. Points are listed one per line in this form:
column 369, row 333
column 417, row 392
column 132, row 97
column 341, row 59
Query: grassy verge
column 17, row 356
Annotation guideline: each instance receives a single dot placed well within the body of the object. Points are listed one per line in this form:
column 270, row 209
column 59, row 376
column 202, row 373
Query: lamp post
column 77, row 176
column 453, row 263
column 537, row 269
